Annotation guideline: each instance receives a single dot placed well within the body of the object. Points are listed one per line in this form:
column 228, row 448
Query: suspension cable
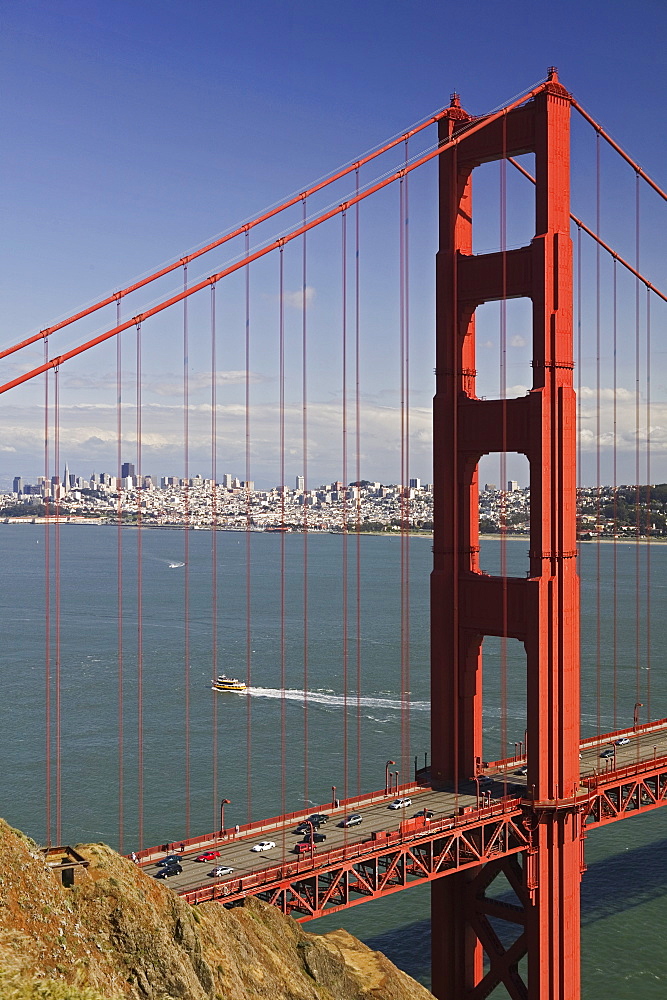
column 140, row 596
column 598, row 429
column 269, row 247
column 628, row 159
column 649, row 525
column 214, row 553
column 637, row 452
column 598, row 240
column 186, row 543
column 248, row 551
column 405, row 473
column 357, row 437
column 615, row 481
column 47, row 606
column 304, row 453
column 227, row 237
column 56, row 560
column 503, row 453
column 119, row 579
column 283, row 623
column 344, row 539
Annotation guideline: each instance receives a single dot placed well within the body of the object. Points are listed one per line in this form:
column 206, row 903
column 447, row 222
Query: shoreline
column 641, row 539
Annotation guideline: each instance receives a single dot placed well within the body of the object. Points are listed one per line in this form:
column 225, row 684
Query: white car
column 400, row 803
column 220, row 871
column 622, row 742
column 264, row 845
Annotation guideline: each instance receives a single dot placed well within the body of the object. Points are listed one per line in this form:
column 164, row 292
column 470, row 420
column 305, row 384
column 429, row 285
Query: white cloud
column 294, row 300
column 517, row 341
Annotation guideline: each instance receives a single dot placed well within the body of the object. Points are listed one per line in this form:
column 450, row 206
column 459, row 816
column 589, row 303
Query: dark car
column 171, row 859
column 168, row 870
column 316, row 838
column 319, row 819
column 609, row 752
column 305, row 828
column 426, row 813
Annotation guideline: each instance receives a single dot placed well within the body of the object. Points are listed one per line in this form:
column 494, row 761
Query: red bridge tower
column 541, row 611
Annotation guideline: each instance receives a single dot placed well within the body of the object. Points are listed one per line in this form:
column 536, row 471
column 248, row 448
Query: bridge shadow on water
column 613, row 885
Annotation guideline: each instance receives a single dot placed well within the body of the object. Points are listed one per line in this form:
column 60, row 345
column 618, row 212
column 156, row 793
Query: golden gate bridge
column 522, row 817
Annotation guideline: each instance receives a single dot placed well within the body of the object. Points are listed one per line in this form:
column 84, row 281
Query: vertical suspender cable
column 637, row 454
column 455, row 515
column 186, row 546
column 649, row 526
column 140, row 596
column 344, row 503
column 248, row 552
column 615, row 482
column 56, row 560
column 119, row 575
column 579, row 348
column 503, row 454
column 357, row 432
column 47, row 605
column 283, row 679
column 304, row 451
column 598, row 433
column 405, row 473
column 214, row 552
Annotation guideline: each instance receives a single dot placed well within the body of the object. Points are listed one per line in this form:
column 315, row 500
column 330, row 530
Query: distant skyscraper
column 300, row 483
column 65, row 479
column 415, row 484
column 227, row 481
column 126, row 469
column 18, row 485
column 490, row 487
column 512, row 485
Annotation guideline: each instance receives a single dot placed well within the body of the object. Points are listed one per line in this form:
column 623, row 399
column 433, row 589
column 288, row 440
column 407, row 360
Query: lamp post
column 333, row 796
column 635, row 719
column 475, row 778
column 225, row 802
column 386, row 776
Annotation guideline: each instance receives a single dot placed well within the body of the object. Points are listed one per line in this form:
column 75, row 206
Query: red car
column 208, row 856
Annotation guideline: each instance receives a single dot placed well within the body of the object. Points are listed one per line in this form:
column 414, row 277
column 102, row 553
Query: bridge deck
column 464, row 828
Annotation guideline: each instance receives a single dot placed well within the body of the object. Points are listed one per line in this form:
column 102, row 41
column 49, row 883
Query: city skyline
column 161, row 177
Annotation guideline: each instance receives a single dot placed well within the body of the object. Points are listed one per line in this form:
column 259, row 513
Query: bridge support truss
column 541, row 611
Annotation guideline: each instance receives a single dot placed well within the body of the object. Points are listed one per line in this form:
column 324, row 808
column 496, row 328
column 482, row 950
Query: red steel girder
column 627, row 792
column 378, row 869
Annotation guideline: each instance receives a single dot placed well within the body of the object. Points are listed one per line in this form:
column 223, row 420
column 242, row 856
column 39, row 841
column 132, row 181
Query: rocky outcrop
column 121, row 934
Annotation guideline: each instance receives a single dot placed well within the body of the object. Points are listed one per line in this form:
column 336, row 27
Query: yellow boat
column 224, row 683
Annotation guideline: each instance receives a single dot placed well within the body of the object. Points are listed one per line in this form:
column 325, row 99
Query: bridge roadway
column 500, row 778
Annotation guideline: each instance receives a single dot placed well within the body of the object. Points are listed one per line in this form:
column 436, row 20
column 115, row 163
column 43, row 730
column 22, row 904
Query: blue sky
column 134, row 131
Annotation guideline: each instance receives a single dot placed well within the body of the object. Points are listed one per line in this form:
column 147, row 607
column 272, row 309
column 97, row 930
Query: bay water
column 323, row 714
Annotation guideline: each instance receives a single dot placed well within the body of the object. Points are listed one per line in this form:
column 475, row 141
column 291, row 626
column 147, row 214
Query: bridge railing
column 615, row 776
column 467, row 817
column 341, row 807
column 587, row 743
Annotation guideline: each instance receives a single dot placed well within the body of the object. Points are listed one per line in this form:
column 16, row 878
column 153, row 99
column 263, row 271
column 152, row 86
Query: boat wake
column 175, row 565
column 337, row 700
